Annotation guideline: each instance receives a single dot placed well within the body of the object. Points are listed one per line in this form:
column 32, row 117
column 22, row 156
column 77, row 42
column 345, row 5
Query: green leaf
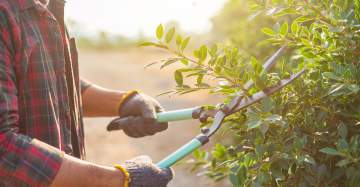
column 308, row 44
column 196, row 54
column 237, row 175
column 256, row 65
column 357, row 9
column 213, row 50
column 253, row 123
column 264, row 128
column 331, row 151
column 342, row 130
column 196, row 73
column 266, row 105
column 219, row 151
column 294, row 27
column 286, row 11
column 170, row 35
column 343, row 163
column 160, row 32
column 268, row 31
column 303, row 19
column 277, row 174
column 185, row 43
column 260, row 149
column 353, row 88
column 284, row 29
column 233, row 176
column 169, row 62
column 184, row 61
column 179, row 78
column 309, row 159
column 273, row 118
column 200, row 79
column 342, row 145
column 331, row 75
column 178, row 40
column 145, row 44
column 260, row 81
column 203, row 53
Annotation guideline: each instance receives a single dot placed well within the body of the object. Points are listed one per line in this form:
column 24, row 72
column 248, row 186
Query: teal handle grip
column 175, row 115
column 180, row 154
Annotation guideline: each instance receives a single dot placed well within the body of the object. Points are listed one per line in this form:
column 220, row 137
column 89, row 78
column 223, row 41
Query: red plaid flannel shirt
column 40, row 105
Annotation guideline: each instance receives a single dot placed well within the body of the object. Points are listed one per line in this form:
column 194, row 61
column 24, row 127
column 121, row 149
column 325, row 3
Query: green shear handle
column 176, row 115
column 183, row 151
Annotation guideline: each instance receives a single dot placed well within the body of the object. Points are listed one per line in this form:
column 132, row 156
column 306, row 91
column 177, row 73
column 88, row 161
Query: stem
column 207, row 68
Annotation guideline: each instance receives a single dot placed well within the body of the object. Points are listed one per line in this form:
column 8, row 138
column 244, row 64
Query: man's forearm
column 101, row 102
column 78, row 173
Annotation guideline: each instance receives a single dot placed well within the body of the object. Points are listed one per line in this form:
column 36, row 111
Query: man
column 41, row 104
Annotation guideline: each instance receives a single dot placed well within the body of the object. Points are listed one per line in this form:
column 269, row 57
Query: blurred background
column 108, row 34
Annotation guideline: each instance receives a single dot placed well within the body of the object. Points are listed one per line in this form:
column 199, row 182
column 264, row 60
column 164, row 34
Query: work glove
column 143, row 173
column 138, row 116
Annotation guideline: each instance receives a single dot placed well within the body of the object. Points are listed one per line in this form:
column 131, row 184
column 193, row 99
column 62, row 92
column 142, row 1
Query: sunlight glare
column 132, row 17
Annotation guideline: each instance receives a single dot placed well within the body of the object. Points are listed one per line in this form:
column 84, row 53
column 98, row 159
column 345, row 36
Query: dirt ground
column 124, row 69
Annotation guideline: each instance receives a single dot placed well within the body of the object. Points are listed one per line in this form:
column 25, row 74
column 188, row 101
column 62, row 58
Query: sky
column 132, row 17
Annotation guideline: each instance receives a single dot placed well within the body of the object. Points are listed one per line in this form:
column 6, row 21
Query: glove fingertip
column 163, row 126
column 159, row 108
column 114, row 125
column 168, row 173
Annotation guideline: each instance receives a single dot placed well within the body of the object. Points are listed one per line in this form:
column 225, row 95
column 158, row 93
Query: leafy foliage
column 306, row 135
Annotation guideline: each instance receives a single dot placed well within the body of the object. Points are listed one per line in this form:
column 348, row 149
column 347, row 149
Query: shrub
column 306, row 135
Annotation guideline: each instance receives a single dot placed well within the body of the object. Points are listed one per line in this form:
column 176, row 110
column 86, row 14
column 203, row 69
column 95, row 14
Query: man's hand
column 101, row 102
column 143, row 173
column 138, row 117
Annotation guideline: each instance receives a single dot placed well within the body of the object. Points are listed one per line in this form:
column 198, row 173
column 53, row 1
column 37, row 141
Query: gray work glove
column 143, row 173
column 138, row 117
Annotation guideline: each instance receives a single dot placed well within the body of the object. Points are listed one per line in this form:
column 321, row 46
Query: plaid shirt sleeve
column 23, row 161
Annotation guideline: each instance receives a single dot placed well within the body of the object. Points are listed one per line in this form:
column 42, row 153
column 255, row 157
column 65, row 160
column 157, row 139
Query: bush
column 306, row 135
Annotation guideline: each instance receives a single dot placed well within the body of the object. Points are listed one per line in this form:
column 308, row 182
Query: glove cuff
column 136, row 174
column 125, row 97
column 126, row 175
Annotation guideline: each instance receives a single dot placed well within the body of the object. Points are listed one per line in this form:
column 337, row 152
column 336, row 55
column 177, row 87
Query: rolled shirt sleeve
column 27, row 162
column 24, row 161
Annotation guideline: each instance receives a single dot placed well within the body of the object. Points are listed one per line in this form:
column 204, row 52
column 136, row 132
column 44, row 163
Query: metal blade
column 266, row 92
column 245, row 102
column 269, row 64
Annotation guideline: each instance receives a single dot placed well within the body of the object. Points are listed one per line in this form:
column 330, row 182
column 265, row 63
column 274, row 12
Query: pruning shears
column 238, row 103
